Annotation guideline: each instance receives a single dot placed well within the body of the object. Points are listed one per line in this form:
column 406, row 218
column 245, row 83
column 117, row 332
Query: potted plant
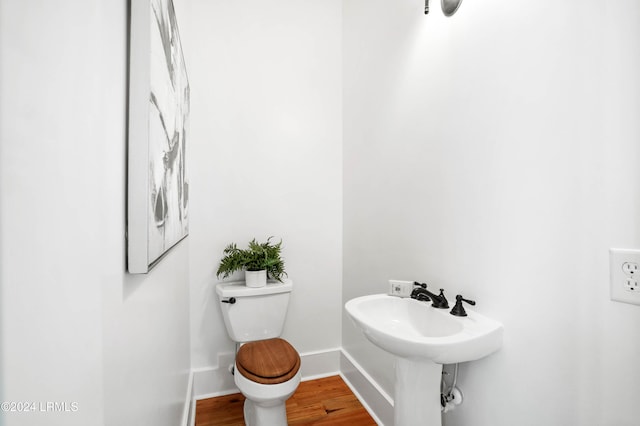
column 258, row 261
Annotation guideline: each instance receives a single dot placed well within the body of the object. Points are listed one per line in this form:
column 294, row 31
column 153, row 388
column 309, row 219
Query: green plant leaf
column 257, row 257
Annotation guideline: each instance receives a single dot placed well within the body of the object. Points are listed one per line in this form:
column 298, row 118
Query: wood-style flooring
column 326, row 401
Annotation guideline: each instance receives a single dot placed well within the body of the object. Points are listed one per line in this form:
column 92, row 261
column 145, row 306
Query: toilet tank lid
column 239, row 289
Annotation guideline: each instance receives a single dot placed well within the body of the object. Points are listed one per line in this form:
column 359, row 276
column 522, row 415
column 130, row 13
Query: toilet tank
column 258, row 313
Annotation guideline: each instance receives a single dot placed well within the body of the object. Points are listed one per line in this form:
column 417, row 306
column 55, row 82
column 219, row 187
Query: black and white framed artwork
column 158, row 189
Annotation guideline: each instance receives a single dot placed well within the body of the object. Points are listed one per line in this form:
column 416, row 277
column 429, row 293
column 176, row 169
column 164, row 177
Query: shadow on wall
column 131, row 284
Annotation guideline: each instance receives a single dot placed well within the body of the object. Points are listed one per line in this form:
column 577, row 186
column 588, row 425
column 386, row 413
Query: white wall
column 494, row 154
column 75, row 326
column 265, row 157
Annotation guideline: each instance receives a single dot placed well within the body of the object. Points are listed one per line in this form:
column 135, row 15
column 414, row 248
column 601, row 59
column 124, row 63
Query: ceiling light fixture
column 449, row 7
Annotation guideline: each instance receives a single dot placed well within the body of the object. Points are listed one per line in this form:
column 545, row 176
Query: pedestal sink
column 422, row 338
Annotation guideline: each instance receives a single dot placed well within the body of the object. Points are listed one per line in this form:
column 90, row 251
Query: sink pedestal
column 417, row 394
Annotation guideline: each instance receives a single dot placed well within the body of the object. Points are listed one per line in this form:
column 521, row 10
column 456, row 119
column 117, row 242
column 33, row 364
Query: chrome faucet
column 421, row 293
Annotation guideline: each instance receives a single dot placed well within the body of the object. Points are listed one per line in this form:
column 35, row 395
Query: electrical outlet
column 630, row 268
column 625, row 274
column 631, row 285
column 400, row 288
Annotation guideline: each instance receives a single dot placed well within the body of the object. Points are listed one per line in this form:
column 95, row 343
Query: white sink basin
column 412, row 329
column 422, row 338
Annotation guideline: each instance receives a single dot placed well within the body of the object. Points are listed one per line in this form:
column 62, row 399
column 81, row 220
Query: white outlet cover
column 400, row 288
column 621, row 275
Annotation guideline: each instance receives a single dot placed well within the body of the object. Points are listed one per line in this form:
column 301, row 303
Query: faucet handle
column 444, row 303
column 423, row 285
column 458, row 309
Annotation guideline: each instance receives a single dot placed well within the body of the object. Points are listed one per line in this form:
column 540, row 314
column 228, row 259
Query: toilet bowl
column 267, row 373
column 267, row 368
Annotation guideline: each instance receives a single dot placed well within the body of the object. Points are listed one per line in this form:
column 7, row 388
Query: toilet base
column 260, row 415
column 265, row 405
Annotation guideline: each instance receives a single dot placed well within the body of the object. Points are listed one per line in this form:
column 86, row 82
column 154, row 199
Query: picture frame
column 159, row 99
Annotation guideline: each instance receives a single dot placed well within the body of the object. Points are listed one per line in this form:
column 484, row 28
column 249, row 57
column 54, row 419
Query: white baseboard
column 188, row 412
column 319, row 364
column 376, row 401
column 216, row 381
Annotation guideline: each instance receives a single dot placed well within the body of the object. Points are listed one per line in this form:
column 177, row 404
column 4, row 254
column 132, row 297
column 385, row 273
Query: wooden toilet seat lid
column 268, row 362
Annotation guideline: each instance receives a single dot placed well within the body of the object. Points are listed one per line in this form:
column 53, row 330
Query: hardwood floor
column 326, row 401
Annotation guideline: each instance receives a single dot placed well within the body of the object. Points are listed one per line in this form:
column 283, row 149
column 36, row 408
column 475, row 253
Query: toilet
column 267, row 368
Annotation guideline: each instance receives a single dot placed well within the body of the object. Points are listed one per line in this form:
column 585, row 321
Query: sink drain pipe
column 453, row 396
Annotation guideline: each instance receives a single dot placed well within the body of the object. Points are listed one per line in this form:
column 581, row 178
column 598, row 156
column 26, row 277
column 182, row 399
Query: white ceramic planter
column 255, row 278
